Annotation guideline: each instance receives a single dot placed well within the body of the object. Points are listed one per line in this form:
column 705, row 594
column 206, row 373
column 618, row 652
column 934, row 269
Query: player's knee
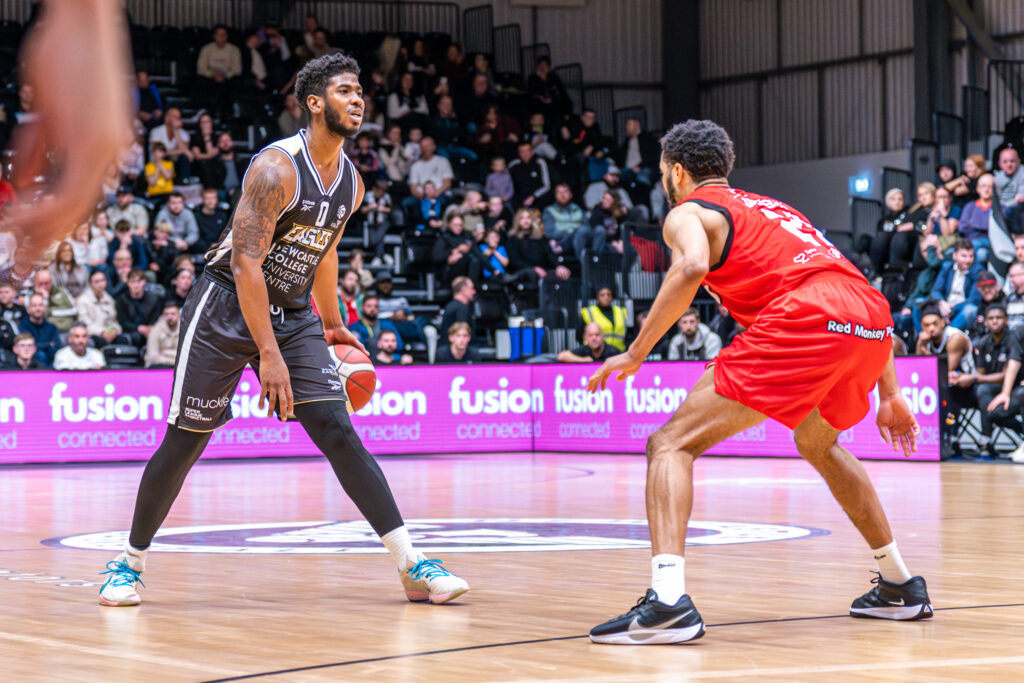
column 660, row 445
column 809, row 446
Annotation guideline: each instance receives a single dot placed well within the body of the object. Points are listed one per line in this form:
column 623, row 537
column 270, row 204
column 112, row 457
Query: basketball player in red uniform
column 818, row 340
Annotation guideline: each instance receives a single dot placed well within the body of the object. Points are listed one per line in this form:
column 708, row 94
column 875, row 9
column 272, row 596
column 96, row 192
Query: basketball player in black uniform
column 252, row 307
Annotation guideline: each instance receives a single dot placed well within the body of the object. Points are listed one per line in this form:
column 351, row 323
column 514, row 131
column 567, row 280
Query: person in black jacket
column 529, row 250
column 137, row 309
column 224, row 171
column 458, row 351
column 530, row 178
column 460, row 308
column 454, row 251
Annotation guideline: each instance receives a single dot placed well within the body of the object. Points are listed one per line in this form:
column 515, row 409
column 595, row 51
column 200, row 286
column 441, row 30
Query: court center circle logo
column 434, row 536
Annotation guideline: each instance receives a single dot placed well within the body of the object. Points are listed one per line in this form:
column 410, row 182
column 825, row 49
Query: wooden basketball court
column 776, row 608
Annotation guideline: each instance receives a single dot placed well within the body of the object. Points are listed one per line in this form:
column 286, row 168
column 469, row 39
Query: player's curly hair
column 703, row 148
column 312, row 78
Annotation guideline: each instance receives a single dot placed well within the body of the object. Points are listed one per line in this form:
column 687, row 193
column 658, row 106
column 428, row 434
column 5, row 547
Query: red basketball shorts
column 822, row 345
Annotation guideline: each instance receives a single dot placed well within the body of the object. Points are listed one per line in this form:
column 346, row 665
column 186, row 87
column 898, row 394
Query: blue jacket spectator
column 46, row 334
column 955, row 286
column 370, row 325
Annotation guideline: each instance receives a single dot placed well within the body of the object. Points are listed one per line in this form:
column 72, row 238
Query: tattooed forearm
column 256, row 216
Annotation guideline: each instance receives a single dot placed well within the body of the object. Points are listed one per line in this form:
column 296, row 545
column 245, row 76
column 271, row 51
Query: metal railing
column 924, row 158
column 572, row 79
column 602, row 101
column 975, row 107
column 477, row 29
column 950, row 136
column 1006, row 93
column 507, row 42
column 898, row 178
column 864, row 217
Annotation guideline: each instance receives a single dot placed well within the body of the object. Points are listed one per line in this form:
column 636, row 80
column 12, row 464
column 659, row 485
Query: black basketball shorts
column 214, row 346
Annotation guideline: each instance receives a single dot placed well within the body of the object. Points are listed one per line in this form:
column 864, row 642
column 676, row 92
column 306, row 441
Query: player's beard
column 332, row 117
column 670, row 191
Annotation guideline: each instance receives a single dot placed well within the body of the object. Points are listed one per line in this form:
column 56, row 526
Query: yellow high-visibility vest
column 614, row 330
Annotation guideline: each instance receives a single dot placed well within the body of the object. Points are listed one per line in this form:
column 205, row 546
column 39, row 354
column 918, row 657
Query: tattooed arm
column 269, row 186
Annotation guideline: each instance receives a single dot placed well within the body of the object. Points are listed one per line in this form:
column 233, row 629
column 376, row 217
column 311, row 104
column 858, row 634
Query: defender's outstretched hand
column 77, row 54
column 897, row 424
column 622, row 364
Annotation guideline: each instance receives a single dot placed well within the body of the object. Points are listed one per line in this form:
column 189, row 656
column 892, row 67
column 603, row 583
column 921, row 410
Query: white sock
column 667, row 578
column 136, row 558
column 399, row 544
column 890, row 564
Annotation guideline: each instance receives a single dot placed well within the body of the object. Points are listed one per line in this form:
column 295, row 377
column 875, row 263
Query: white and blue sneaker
column 427, row 581
column 119, row 589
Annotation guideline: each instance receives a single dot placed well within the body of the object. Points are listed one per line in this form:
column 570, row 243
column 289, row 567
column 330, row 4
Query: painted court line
column 111, row 655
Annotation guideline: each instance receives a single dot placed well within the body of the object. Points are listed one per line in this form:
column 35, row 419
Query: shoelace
column 428, row 569
column 123, row 575
column 639, row 603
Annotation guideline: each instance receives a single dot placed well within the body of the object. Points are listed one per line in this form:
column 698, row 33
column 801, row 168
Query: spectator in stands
column 407, row 107
column 965, row 189
column 562, row 219
column 137, row 309
column 493, row 255
column 98, row 312
column 474, row 105
column 496, row 132
column 126, row 208
column 292, row 117
column 695, row 340
column 530, row 177
column 387, row 350
column 547, row 93
column 412, row 147
column 392, row 155
column 78, row 355
column 67, row 273
column 722, row 324
column 210, row 220
column 881, row 244
column 357, row 262
column 131, row 160
column 454, row 67
column 45, row 333
column 498, row 215
column 639, row 154
column 254, row 69
column 529, row 249
column 369, row 326
column 60, row 304
column 10, row 310
column 225, row 171
column 395, row 309
column 218, row 68
column 184, row 229
column 460, row 308
column 311, row 25
column 611, row 182
column 26, row 355
column 944, row 218
column 8, row 244
column 594, row 349
column 907, row 321
column 160, row 172
column 117, row 272
column 472, row 209
column 499, row 181
column 430, row 168
column 135, row 245
column 458, row 350
column 1009, row 184
column 992, row 353
column 425, row 213
column 955, row 288
column 376, row 210
column 448, row 132
column 538, row 135
column 974, row 218
column 453, row 250
column 89, row 243
column 919, row 216
column 281, row 69
column 581, row 136
column 161, row 253
column 321, row 45
column 350, row 299
column 939, row 339
column 175, row 140
column 162, row 342
column 1015, row 299
column 991, row 295
column 7, row 334
column 366, row 160
column 179, row 288
column 204, row 145
column 600, row 233
column 21, row 271
column 149, row 106
column 608, row 316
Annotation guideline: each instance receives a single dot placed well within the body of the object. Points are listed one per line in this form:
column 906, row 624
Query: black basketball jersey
column 305, row 229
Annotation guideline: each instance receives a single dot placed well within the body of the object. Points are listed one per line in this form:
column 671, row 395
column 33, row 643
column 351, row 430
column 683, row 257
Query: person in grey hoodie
column 695, row 340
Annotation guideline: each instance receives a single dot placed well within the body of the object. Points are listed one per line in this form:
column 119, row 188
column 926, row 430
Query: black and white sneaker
column 906, row 601
column 652, row 623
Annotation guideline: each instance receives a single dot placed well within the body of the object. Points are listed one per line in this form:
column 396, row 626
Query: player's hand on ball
column 343, row 335
column 622, row 364
column 276, row 386
column 897, row 424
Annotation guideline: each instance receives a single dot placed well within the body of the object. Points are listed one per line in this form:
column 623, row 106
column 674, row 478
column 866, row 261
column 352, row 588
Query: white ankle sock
column 136, row 558
column 399, row 544
column 668, row 578
column 890, row 564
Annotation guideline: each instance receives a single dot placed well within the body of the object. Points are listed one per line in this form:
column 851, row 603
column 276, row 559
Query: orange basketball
column 357, row 374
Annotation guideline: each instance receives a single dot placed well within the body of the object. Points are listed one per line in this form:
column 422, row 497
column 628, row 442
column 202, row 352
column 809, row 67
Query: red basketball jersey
column 770, row 250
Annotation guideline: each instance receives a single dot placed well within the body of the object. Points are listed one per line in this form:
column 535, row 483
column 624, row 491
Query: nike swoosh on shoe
column 635, row 624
